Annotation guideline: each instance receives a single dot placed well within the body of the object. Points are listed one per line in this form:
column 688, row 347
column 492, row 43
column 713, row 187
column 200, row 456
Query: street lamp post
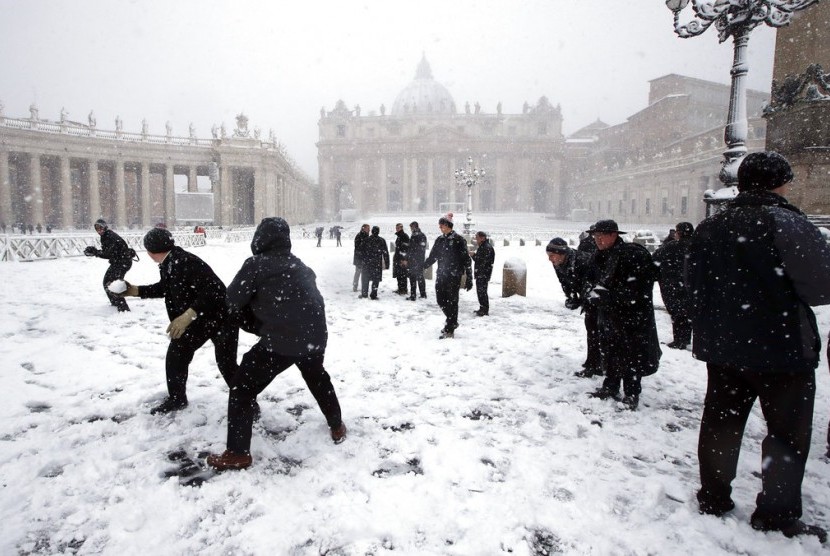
column 736, row 19
column 469, row 177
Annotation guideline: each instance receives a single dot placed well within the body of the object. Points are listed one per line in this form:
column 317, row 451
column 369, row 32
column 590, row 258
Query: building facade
column 406, row 160
column 68, row 174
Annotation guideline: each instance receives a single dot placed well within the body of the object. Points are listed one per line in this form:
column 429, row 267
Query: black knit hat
column 558, row 245
column 375, row 230
column 685, row 229
column 158, row 240
column 101, row 223
column 763, row 170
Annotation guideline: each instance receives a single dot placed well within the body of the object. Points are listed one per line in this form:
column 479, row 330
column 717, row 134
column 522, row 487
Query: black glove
column 91, row 251
column 469, row 283
column 572, row 303
column 596, row 297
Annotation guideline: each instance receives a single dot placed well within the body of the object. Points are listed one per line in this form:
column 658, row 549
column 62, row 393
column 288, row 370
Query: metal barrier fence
column 34, row 248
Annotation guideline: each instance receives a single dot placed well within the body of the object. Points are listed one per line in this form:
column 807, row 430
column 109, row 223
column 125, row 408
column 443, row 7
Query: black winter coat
column 626, row 309
column 450, row 251
column 573, row 274
column 115, row 249
column 484, row 258
column 281, row 292
column 358, row 247
column 375, row 257
column 187, row 282
column 670, row 259
column 417, row 252
column 401, row 254
column 754, row 271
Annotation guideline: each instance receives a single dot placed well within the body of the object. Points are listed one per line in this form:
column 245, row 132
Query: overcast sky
column 204, row 61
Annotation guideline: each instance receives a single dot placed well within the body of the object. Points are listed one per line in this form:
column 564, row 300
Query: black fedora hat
column 605, row 227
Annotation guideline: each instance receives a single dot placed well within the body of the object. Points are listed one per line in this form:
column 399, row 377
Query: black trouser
column 319, row 239
column 416, row 278
column 481, row 291
column 258, row 368
column 446, row 294
column 402, row 280
column 225, row 337
column 787, row 404
column 621, row 360
column 681, row 322
column 593, row 361
column 365, row 280
column 116, row 271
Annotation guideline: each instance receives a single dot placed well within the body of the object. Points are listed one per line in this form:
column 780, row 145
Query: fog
column 279, row 63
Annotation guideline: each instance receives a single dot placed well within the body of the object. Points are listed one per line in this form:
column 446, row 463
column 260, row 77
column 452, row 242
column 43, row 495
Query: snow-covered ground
column 484, row 444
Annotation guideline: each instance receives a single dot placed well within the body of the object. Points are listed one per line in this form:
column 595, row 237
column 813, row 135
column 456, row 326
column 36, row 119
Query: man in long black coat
column 622, row 276
column 194, row 297
column 289, row 316
column 357, row 259
column 670, row 259
column 484, row 257
column 450, row 252
column 754, row 270
column 120, row 256
column 415, row 261
column 400, row 269
column 375, row 261
column 572, row 267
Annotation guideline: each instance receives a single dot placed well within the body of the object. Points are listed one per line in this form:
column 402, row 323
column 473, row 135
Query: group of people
column 274, row 296
column 450, row 252
column 739, row 288
column 22, row 228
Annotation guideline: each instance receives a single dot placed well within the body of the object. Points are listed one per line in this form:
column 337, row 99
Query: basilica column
column 169, row 197
column 383, row 201
column 67, row 218
column 192, row 181
column 225, row 196
column 358, row 195
column 414, row 191
column 5, row 190
column 452, row 184
column 404, row 183
column 36, row 189
column 145, row 195
column 500, row 178
column 94, row 191
column 120, row 197
column 430, row 201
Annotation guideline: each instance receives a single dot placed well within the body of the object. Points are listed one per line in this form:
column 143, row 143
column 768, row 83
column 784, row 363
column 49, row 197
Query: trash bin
column 514, row 278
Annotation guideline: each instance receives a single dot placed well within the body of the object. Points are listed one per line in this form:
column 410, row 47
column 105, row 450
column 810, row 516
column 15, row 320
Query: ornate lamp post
column 469, row 177
column 736, row 19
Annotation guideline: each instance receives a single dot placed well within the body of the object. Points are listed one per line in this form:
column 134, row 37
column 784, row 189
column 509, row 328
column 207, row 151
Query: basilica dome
column 424, row 95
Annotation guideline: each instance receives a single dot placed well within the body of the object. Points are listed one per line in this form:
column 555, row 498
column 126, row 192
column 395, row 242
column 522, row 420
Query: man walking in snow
column 375, row 261
column 289, row 316
column 357, row 259
column 399, row 260
column 415, row 261
column 450, row 252
column 120, row 257
column 483, row 258
column 754, row 270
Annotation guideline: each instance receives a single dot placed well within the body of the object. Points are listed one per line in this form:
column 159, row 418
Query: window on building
column 370, row 132
column 684, row 205
column 633, row 206
column 543, row 128
column 648, row 207
column 341, row 131
column 609, row 208
column 620, row 209
column 664, row 208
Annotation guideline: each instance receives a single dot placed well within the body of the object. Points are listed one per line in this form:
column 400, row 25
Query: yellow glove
column 180, row 323
column 131, row 291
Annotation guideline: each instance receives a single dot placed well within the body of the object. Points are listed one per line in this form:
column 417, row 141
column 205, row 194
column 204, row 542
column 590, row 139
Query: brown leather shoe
column 229, row 460
column 338, row 434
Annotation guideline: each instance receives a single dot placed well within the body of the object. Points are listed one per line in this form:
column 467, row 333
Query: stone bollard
column 521, row 242
column 514, row 278
column 538, row 242
column 507, row 243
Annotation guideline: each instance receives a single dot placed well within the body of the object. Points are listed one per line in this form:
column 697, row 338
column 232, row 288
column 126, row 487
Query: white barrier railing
column 239, row 236
column 34, row 248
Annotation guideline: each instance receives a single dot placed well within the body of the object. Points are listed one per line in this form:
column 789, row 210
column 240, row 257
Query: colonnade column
column 120, row 196
column 192, row 180
column 499, row 179
column 430, row 200
column 452, row 184
column 169, row 197
column 5, row 190
column 225, row 196
column 145, row 195
column 383, row 201
column 36, row 186
column 67, row 218
column 94, row 191
column 414, row 192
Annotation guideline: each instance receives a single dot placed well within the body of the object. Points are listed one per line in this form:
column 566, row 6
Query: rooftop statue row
column 543, row 106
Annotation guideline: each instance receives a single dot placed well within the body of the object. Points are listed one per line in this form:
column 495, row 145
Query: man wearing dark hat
column 399, row 260
column 450, row 251
column 289, row 315
column 754, row 270
column 484, row 257
column 195, row 300
column 120, row 256
column 670, row 259
column 622, row 277
column 415, row 261
column 572, row 268
column 357, row 259
column 375, row 261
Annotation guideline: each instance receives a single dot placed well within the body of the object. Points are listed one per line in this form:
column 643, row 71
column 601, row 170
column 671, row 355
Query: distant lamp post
column 469, row 177
column 736, row 19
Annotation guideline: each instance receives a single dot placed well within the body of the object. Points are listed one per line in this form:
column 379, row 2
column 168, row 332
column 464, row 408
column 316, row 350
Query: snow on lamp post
column 469, row 177
column 736, row 19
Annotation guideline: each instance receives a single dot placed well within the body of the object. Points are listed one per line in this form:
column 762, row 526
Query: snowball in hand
column 118, row 286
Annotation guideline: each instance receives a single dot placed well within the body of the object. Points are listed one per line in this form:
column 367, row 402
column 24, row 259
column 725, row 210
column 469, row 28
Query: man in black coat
column 120, row 256
column 670, row 259
column 754, row 270
column 375, row 261
column 415, row 261
column 289, row 316
column 357, row 259
column 450, row 251
column 622, row 277
column 572, row 267
column 483, row 258
column 399, row 260
column 195, row 300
